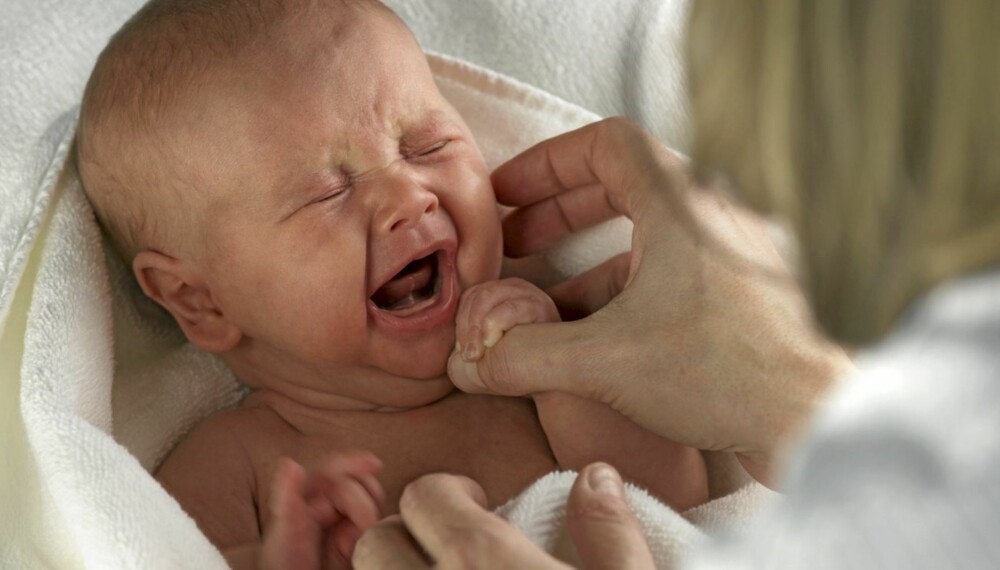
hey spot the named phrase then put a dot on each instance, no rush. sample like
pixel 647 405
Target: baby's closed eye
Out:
pixel 433 148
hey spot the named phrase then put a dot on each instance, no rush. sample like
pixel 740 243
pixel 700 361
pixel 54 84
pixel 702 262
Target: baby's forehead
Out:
pixel 148 89
pixel 311 43
pixel 171 45
pixel 180 68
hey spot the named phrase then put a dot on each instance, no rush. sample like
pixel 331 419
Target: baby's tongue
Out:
pixel 409 286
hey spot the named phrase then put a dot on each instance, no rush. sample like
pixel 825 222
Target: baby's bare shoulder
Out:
pixel 212 474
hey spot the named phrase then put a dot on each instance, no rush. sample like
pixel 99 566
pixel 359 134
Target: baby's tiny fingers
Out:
pixel 352 500
pixel 346 536
pixel 468 334
pixel 374 488
pixel 333 557
pixel 517 311
pixel 343 463
pixel 463 316
pixel 325 487
pixel 291 532
pixel 287 489
pixel 472 344
pixel 473 336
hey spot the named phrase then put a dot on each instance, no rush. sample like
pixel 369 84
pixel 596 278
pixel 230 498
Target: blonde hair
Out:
pixel 872 126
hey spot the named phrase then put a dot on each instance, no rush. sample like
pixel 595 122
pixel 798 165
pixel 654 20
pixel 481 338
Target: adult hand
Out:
pixel 443 523
pixel 699 334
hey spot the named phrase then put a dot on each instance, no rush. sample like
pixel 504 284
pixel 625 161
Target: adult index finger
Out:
pixel 570 357
pixel 447 515
pixel 534 227
pixel 583 177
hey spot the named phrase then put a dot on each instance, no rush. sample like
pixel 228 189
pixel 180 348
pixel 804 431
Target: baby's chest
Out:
pixel 498 442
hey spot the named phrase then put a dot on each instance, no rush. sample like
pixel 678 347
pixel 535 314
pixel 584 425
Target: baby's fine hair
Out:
pixel 153 64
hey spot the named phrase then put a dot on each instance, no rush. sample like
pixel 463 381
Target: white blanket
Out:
pixel 95 387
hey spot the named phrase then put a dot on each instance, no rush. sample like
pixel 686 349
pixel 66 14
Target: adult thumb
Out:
pixel 605 531
pixel 534 358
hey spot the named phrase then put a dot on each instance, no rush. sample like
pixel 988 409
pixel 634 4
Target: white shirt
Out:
pixel 902 467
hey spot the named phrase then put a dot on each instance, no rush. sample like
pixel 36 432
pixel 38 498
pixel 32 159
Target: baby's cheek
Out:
pixel 476 216
pixel 478 266
pixel 490 236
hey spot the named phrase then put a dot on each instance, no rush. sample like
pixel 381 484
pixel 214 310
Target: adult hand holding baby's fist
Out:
pixel 317 516
pixel 488 310
pixel 699 334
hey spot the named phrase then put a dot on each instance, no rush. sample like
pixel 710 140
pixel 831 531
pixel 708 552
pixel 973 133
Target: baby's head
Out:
pixel 287 181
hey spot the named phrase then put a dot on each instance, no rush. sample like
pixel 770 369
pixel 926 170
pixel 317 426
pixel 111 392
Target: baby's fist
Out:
pixel 317 516
pixel 488 310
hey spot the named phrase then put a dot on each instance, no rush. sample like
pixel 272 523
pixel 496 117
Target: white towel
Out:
pixel 97 385
pixel 612 57
pixel 540 512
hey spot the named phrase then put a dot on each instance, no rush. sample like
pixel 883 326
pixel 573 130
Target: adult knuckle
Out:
pixel 497 369
pixel 423 490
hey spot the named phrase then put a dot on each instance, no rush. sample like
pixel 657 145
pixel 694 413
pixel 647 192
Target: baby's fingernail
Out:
pixel 605 480
pixel 492 338
pixel 471 352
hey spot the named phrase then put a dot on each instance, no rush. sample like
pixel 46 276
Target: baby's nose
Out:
pixel 405 203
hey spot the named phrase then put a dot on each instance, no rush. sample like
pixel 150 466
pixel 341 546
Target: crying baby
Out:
pixel 287 182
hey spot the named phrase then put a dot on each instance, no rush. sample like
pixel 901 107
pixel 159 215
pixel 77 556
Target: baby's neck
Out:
pixel 308 406
pixel 342 390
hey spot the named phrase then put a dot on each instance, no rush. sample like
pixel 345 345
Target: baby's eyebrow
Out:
pixel 427 126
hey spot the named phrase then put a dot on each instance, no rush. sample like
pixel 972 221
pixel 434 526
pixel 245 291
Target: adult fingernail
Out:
pixel 605 480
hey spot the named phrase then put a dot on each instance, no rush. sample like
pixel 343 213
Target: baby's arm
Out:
pixel 580 431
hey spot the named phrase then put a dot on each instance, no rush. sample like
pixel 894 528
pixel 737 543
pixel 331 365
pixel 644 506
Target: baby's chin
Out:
pixel 426 364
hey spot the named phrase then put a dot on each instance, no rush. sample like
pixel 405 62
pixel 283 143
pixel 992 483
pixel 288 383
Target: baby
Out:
pixel 288 183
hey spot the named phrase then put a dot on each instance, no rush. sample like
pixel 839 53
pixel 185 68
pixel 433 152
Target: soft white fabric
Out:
pixel 86 357
pixel 902 468
pixel 540 512
pixel 612 57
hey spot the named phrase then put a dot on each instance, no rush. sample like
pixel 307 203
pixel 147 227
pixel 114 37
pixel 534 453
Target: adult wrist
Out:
pixel 786 423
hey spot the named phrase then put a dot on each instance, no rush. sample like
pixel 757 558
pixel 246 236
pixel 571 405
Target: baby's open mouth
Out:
pixel 409 290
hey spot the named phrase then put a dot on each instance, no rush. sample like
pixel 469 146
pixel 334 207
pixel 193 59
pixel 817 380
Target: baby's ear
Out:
pixel 180 290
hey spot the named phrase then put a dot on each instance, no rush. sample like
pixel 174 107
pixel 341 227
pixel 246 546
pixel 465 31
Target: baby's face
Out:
pixel 352 209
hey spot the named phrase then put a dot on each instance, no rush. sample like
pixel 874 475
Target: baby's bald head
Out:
pixel 269 169
pixel 150 89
